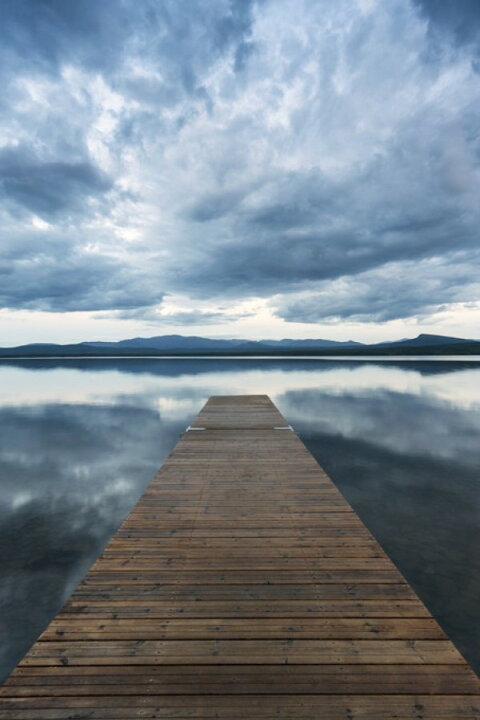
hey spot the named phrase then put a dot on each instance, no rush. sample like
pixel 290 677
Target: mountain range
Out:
pixel 423 344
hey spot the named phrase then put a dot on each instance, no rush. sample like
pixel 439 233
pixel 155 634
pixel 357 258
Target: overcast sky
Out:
pixel 239 168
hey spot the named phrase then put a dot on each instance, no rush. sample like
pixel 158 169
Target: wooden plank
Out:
pixel 284 706
pixel 242 577
pixel 203 564
pixel 90 592
pixel 219 553
pixel 241 652
pixel 331 531
pixel 242 584
pixel 253 679
pixel 178 544
pixel 259 628
pixel 117 609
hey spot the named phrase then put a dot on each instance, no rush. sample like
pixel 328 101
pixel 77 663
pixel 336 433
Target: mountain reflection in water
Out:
pixel 82 438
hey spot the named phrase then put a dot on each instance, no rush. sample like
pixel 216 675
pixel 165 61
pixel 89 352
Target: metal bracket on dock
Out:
pixel 278 427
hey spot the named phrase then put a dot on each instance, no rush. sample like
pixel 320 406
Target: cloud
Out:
pixel 158 317
pixel 58 274
pixel 390 293
pixel 56 32
pixel 458 20
pixel 351 177
pixel 46 188
pixel 100 37
pixel 232 150
pixel 375 416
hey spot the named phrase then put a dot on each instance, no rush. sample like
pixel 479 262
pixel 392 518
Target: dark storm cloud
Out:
pixel 100 36
pixel 458 19
pixel 388 293
pixel 318 229
pixel 51 32
pixel 57 275
pixel 213 206
pixel 47 188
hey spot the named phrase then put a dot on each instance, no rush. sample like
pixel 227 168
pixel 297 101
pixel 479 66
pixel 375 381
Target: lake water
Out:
pixel 80 440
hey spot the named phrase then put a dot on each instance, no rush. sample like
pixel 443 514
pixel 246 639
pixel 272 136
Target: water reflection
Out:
pixel 409 465
pixel 69 474
pixel 81 439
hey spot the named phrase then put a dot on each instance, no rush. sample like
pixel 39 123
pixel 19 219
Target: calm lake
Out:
pixel 80 440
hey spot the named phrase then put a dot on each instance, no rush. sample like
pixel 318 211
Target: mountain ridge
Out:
pixel 193 345
pixel 193 342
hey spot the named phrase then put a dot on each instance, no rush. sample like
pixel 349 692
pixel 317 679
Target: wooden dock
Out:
pixel 242 586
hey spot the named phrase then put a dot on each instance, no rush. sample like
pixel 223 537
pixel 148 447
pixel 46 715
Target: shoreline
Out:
pixel 353 358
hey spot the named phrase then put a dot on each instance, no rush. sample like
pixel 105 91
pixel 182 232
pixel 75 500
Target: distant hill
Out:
pixel 193 343
pixel 171 342
pixel 182 345
pixel 425 340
